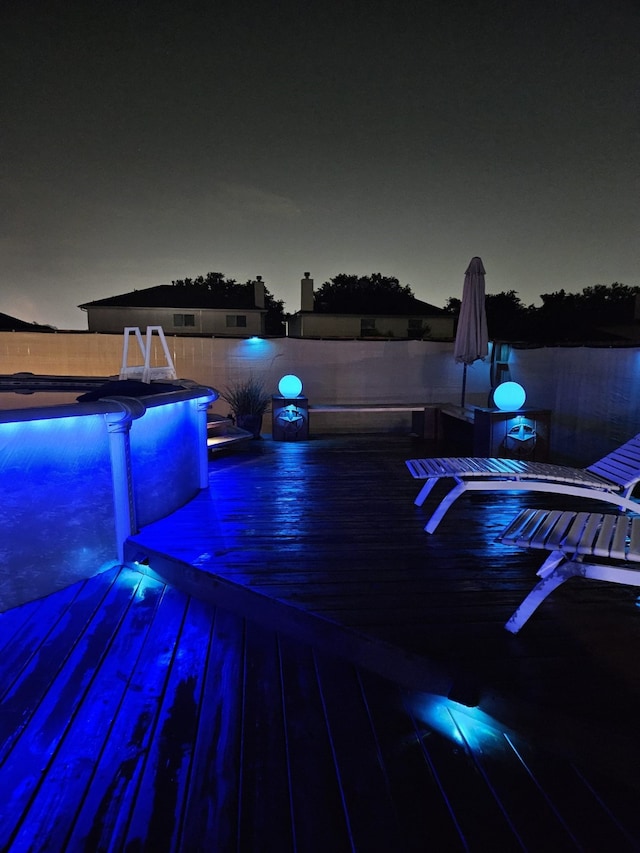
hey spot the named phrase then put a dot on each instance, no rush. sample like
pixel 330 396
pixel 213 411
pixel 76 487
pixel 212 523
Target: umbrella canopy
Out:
pixel 472 339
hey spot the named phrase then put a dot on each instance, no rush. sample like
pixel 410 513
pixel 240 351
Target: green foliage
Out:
pixel 375 294
pixel 247 396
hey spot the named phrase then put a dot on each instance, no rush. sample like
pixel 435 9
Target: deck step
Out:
pixel 223 434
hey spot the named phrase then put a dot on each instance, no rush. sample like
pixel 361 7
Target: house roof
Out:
pixel 179 296
pixel 13 324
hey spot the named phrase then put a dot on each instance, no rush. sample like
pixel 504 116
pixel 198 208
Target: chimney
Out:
pixel 306 293
pixel 258 292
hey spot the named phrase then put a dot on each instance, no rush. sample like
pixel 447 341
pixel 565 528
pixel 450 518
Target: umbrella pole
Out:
pixel 464 383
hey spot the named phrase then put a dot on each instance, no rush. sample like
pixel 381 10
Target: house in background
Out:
pixel 416 320
pixel 183 310
pixel 13 324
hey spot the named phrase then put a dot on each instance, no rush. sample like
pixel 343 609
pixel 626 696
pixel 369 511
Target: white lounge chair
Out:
pixel 581 544
pixel 611 479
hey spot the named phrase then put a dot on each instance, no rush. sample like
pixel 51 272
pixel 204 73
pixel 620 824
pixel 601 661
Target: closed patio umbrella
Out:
pixel 472 339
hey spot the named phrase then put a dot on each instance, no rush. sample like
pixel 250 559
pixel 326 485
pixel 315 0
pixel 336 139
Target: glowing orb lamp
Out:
pixel 290 386
pixel 509 397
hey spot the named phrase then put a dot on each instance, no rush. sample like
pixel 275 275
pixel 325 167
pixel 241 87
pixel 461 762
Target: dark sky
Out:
pixel 148 141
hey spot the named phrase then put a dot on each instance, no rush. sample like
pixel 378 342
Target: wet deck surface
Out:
pixel 284 690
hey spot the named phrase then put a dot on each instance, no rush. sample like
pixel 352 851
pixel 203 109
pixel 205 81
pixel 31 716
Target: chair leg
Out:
pixel 424 491
pixel 541 590
pixel 555 559
pixel 444 505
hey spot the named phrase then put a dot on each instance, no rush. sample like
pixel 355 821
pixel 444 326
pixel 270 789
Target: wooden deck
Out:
pixel 269 675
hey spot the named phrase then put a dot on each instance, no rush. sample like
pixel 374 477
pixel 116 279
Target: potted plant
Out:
pixel 248 400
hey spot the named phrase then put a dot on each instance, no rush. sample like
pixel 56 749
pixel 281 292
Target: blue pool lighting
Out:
pixel 79 478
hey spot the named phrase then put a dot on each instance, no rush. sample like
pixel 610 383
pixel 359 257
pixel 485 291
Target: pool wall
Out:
pixel 77 479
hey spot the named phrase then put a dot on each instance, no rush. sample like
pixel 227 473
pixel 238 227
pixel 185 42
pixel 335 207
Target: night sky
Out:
pixel 148 141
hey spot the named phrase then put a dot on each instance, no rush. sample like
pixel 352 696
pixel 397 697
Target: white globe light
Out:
pixel 509 397
pixel 290 386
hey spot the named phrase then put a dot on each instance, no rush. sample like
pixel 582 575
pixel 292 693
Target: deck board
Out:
pixel 212 806
pixel 416 790
pixel 265 808
pixel 329 527
pixel 367 799
pixel 85 730
pixel 156 818
pixel 136 713
pixel 103 813
pixel 317 800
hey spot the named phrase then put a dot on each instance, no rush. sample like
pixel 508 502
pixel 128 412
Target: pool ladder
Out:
pixel 145 372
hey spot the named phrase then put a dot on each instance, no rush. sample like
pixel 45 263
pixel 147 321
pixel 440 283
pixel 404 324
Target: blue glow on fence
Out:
pixel 509 397
pixel 290 386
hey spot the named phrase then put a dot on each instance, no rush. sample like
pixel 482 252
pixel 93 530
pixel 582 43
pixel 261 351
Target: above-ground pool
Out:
pixel 78 478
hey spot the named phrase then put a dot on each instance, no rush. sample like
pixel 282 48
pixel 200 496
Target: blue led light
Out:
pixel 509 397
pixel 474 728
pixel 290 386
pixel 66 486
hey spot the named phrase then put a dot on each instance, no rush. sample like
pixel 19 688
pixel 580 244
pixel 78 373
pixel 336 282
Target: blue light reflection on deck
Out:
pixel 466 726
pixel 289 514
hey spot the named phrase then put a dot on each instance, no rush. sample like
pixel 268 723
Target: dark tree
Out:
pixel 507 318
pixel 585 316
pixel 218 291
pixel 375 294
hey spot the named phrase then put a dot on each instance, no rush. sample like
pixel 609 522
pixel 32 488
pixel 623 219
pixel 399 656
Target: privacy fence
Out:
pixel 591 391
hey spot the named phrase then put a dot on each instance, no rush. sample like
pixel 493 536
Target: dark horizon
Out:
pixel 149 142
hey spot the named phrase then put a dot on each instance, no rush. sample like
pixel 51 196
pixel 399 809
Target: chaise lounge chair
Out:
pixel 611 479
pixel 581 544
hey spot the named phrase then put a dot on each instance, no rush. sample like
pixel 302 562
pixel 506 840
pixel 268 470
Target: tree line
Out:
pixel 595 314
pixel 590 315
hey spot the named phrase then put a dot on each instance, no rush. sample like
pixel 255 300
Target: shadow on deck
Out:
pixel 268 675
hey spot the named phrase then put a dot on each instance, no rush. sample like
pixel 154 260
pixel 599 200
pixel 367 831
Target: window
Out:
pixel 416 330
pixel 184 320
pixel 368 327
pixel 236 321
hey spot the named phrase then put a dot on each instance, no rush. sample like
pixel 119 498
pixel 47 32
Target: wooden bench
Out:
pixel 368 407
pixel 592 545
pixel 403 415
